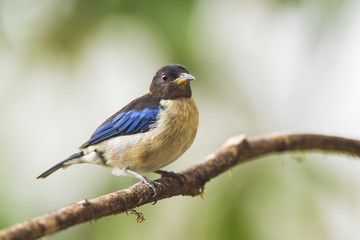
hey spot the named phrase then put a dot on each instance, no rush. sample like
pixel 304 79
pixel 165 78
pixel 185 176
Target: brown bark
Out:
pixel 236 150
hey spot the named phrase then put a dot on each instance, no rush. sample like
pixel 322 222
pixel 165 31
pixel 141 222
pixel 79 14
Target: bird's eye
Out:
pixel 164 77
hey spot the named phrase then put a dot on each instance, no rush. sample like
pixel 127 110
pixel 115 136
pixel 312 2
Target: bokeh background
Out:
pixel 262 66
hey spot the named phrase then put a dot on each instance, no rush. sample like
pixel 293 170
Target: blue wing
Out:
pixel 125 123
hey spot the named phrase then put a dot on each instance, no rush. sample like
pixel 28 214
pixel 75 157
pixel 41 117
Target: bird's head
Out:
pixel 171 82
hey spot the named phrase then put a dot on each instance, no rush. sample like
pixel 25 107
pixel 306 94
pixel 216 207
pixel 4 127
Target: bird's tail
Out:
pixel 61 164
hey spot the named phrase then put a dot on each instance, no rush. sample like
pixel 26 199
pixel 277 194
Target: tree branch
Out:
pixel 236 150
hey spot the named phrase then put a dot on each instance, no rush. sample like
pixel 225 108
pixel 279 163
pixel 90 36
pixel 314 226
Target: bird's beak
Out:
pixel 184 77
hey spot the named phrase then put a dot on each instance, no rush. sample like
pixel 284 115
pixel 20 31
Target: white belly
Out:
pixel 165 142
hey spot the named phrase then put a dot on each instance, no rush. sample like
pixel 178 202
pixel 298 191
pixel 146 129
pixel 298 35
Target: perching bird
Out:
pixel 149 133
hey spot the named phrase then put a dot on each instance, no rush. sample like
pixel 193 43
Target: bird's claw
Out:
pixel 152 184
pixel 143 179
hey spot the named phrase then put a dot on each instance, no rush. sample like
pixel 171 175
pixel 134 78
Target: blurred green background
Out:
pixel 262 66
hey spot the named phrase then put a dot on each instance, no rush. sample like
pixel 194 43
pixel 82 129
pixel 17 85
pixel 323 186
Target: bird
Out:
pixel 147 134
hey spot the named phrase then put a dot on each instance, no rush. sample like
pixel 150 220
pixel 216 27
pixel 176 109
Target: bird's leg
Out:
pixel 144 180
pixel 171 174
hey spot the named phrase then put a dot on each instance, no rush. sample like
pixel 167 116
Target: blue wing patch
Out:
pixel 124 123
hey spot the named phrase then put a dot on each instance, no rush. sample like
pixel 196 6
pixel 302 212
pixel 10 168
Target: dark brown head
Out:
pixel 171 82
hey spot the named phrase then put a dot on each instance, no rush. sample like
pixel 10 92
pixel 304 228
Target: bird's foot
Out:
pixel 148 182
pixel 151 184
pixel 180 177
